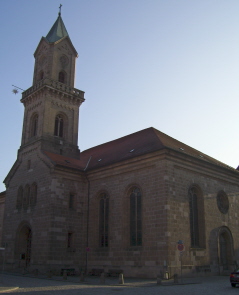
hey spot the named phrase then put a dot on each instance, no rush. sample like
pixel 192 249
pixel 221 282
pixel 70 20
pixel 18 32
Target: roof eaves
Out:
pixel 203 158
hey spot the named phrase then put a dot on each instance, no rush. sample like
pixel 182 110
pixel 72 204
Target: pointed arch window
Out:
pixel 71 201
pixel 26 196
pixel 104 220
pixel 70 240
pixel 19 198
pixel 59 124
pixel 33 195
pixel 197 223
pixel 62 77
pixel 135 217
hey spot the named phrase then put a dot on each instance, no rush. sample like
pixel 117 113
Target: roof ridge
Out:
pixel 119 138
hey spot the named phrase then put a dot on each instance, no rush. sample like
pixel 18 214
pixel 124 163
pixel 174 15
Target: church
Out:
pixel 143 205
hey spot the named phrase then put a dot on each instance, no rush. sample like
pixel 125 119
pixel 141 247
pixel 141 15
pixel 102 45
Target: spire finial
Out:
pixel 60 10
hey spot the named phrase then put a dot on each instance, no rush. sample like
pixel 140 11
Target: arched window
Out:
pixel 104 220
pixel 34 125
pixel 70 240
pixel 59 126
pixel 26 196
pixel 135 217
pixel 41 75
pixel 62 77
pixel 71 201
pixel 19 198
pixel 197 223
pixel 33 195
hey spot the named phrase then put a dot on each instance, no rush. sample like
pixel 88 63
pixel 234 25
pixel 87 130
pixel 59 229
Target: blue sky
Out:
pixel 168 64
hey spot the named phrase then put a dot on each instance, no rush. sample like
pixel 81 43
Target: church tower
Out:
pixel 44 199
pixel 52 103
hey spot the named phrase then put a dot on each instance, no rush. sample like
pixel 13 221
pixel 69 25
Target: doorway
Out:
pixel 23 246
pixel 225 248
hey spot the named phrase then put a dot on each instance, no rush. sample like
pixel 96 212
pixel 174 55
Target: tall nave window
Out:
pixel 197 221
pixel 135 217
pixel 104 220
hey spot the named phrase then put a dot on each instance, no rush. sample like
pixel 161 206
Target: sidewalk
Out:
pixel 7 289
pixel 97 281
pixel 29 284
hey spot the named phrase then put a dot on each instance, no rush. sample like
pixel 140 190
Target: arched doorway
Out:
pixel 225 243
pixel 23 246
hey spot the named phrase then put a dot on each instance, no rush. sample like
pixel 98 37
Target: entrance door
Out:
pixel 225 244
pixel 24 245
pixel 223 251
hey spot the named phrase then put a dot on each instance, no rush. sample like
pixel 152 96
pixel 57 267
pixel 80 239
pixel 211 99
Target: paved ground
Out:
pixel 16 284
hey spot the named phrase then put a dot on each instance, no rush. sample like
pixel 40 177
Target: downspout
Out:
pixel 87 217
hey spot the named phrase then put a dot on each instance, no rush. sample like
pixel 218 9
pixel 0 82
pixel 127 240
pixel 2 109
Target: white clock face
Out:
pixel 64 60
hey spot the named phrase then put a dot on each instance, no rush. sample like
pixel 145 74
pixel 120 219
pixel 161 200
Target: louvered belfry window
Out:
pixel 59 126
pixel 61 77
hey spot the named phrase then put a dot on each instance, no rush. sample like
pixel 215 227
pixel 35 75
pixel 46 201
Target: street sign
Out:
pixel 181 247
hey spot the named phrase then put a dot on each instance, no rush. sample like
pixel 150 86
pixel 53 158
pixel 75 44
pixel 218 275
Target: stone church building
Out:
pixel 141 204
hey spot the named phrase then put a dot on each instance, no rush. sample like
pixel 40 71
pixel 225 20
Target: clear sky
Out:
pixel 168 64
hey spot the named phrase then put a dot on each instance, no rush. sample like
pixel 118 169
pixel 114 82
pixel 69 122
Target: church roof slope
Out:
pixel 136 144
pixel 58 31
pixel 139 143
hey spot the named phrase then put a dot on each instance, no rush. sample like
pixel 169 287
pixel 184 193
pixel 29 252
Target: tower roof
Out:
pixel 58 31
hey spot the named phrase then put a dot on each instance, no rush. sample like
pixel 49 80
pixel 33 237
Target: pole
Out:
pixel 181 254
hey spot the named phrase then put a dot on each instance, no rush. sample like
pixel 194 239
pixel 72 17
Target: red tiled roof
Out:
pixel 65 161
pixel 139 143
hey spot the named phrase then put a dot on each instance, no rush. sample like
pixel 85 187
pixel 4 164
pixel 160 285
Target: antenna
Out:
pixel 15 91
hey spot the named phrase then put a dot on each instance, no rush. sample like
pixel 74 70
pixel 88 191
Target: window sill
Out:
pixel 135 248
pixel 197 249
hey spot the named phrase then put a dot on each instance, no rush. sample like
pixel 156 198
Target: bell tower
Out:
pixel 52 103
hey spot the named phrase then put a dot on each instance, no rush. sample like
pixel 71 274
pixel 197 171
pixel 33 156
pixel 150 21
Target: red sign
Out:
pixel 181 247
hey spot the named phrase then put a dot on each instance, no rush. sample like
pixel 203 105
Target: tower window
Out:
pixel 33 196
pixel 135 217
pixel 70 240
pixel 41 75
pixel 62 77
pixel 28 164
pixel 34 125
pixel 58 126
pixel 19 198
pixel 26 196
pixel 71 201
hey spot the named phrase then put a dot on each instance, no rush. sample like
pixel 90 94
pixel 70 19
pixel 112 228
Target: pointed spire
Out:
pixel 58 30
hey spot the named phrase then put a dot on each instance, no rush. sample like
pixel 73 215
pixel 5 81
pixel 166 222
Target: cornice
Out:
pixel 61 91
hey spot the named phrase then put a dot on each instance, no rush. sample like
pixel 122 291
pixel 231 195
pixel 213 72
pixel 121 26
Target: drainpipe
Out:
pixel 87 217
